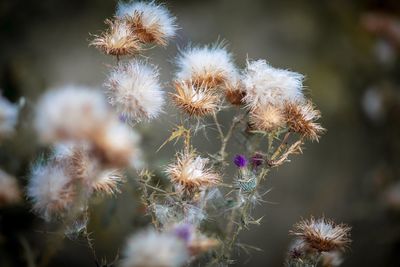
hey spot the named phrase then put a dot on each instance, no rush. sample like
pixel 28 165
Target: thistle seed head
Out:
pixel 191 174
pixel 268 119
pixel 119 40
pixel 266 85
pixel 150 22
pixel 208 66
pixel 135 91
pixel 301 118
pixel 323 234
pixel 153 249
pixel 194 101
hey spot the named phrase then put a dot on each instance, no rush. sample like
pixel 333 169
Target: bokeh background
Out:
pixel 349 52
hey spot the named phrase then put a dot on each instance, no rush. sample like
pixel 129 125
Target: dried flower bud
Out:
pixel 134 90
pixel 8 117
pixel 151 23
pixel 208 66
pixel 9 189
pixel 195 102
pixel 301 118
pixel 152 249
pixel 190 173
pixel 118 40
pixel 257 160
pixel 266 85
pixel 322 234
pixel 268 119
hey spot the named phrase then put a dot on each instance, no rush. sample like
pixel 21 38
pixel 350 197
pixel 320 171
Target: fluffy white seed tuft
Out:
pixel 152 22
pixel 134 90
pixel 70 112
pixel 152 249
pixel 210 66
pixel 266 85
pixel 51 189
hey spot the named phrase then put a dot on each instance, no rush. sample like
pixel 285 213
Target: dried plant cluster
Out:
pixel 197 212
pixel 318 240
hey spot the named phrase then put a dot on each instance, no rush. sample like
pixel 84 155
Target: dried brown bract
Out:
pixel 301 118
pixel 194 101
pixel 189 172
pixel 235 94
pixel 118 40
pixel 107 182
pixel 150 34
pixel 323 234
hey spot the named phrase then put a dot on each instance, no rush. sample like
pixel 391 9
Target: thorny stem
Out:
pixel 281 146
pixel 54 244
pixel 221 133
pixel 239 215
pixel 225 138
pixel 90 244
pixel 145 178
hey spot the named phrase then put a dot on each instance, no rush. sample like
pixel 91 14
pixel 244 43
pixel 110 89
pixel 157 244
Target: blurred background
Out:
pixel 349 52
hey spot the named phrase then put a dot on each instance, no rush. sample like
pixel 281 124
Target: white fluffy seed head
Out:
pixel 8 117
pixel 70 112
pixel 210 66
pixel 266 85
pixel 154 20
pixel 152 249
pixel 51 189
pixel 118 146
pixel 134 90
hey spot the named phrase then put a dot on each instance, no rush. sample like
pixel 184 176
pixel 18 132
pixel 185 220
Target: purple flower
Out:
pixel 123 118
pixel 257 160
pixel 240 161
pixel 184 231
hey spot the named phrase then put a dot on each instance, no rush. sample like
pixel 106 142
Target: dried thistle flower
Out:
pixel 322 234
pixel 152 249
pixel 269 118
pixel 107 182
pixel 8 117
pixel 301 118
pixel 85 167
pixel 207 66
pixel 118 40
pixel 190 173
pixel 266 85
pixel 117 146
pixel 150 22
pixel 52 189
pixel 235 93
pixel 196 102
pixel 9 189
pixel 70 112
pixel 134 90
